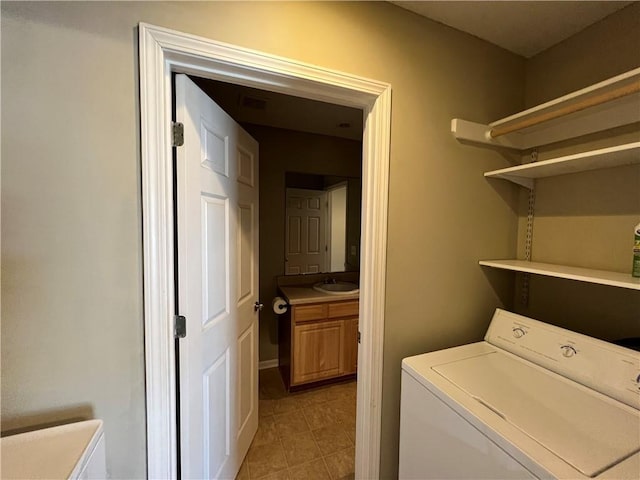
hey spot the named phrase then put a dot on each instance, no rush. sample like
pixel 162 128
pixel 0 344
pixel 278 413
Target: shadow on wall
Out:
pixel 47 419
pixel 502 285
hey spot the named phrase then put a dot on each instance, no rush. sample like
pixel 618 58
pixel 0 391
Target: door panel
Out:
pixel 313 235
pixel 215 150
pixel 217 228
pixel 245 248
pixel 215 220
pixel 295 235
pixel 217 436
pixel 246 166
pixel 246 361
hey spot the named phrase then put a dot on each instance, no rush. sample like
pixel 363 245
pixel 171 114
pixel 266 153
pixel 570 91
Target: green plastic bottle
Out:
pixel 635 271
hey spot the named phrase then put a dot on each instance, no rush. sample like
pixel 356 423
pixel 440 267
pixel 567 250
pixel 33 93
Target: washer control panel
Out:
pixel 607 368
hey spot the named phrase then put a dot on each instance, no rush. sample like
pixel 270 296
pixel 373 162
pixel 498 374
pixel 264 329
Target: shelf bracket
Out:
pixel 478 133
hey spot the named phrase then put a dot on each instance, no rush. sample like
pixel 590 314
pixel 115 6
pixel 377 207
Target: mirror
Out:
pixel 322 223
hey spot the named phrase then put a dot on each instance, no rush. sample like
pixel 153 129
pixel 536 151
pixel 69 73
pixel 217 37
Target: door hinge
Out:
pixel 358 336
pixel 177 134
pixel 179 326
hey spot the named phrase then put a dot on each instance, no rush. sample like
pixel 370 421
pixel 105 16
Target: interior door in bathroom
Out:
pixel 306 242
pixel 217 238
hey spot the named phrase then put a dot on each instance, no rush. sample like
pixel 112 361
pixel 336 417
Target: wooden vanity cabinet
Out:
pixel 318 351
pixel 351 346
pixel 320 341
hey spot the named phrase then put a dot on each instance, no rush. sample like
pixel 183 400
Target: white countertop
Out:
pixel 300 295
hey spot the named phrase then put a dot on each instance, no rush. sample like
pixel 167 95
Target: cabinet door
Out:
pixel 350 345
pixel 318 351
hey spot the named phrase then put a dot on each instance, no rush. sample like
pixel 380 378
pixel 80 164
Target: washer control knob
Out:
pixel 568 351
pixel 518 332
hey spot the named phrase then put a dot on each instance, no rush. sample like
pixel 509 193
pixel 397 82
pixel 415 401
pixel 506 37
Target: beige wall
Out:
pixel 72 333
pixel 284 151
pixel 586 219
pixel 601 51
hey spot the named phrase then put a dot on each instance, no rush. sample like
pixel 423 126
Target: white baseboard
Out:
pixel 268 364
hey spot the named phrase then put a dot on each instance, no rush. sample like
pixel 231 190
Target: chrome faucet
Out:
pixel 328 280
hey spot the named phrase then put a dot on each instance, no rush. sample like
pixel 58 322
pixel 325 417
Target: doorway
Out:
pixel 310 165
pixel 163 52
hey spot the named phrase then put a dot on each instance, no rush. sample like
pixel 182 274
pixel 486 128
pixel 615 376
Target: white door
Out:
pixel 217 229
pixel 306 240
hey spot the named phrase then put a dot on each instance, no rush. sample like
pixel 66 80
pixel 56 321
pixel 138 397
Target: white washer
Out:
pixel 74 451
pixel 531 401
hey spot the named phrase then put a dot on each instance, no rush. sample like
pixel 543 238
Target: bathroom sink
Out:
pixel 338 288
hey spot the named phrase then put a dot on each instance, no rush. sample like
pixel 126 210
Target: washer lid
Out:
pixel 54 452
pixel 585 429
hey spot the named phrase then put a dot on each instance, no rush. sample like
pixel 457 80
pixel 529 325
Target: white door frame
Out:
pixel 163 52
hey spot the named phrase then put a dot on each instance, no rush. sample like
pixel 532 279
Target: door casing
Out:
pixel 163 52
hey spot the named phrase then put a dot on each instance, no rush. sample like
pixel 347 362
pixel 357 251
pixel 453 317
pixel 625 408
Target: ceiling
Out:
pixel 260 107
pixel 522 27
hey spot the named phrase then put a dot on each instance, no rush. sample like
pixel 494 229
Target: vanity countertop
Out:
pixel 302 294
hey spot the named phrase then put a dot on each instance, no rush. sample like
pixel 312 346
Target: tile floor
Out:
pixel 304 435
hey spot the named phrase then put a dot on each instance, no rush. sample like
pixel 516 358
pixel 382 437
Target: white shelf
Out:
pixel 617 112
pixel 627 154
pixel 609 104
pixel 602 277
